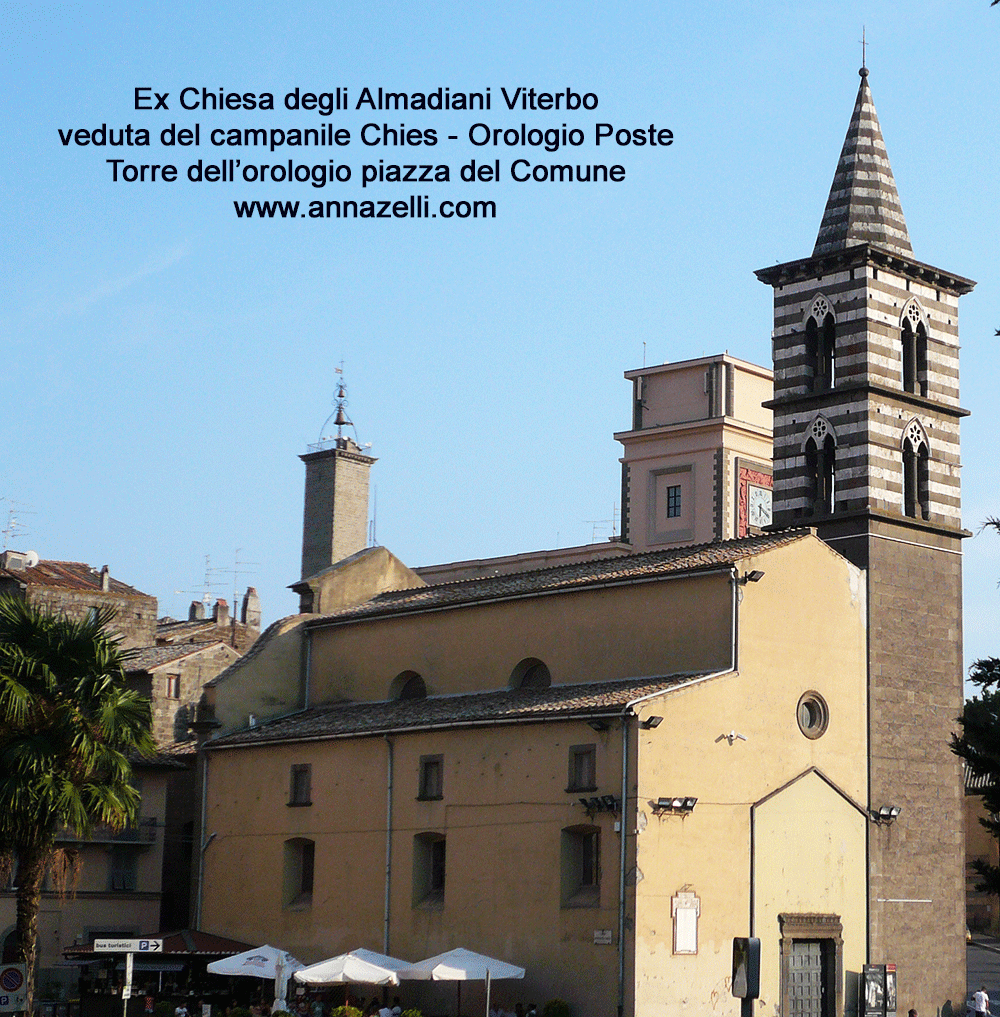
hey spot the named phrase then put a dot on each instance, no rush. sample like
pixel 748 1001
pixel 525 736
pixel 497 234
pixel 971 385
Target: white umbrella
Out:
pixel 261 962
pixel 462 965
pixel 356 966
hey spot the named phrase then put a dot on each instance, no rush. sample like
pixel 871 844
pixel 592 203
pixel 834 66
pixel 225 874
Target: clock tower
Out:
pixel 866 450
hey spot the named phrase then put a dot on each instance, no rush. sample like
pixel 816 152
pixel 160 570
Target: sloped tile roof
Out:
pixel 147 658
pixel 70 575
pixel 558 702
pixel 648 565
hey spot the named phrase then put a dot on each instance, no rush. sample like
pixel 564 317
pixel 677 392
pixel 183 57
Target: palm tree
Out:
pixel 69 729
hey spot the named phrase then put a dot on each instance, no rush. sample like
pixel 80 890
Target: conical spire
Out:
pixel 863 207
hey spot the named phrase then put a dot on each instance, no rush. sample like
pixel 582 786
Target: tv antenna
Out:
pixel 15 529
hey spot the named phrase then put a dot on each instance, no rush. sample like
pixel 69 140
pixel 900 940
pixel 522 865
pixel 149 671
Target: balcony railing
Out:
pixel 144 832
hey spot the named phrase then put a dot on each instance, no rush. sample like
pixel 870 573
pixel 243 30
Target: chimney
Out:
pixel 250 612
pixel 14 561
pixel 196 612
pixel 105 579
pixel 220 612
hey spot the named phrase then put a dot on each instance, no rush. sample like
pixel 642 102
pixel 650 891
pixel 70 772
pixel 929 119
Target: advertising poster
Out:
pixel 481 216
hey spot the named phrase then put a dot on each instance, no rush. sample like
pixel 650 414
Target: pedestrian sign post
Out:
pixel 129 947
pixel 13 988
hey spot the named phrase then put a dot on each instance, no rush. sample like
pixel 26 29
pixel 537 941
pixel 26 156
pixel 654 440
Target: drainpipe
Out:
pixel 205 843
pixel 627 711
pixel 388 844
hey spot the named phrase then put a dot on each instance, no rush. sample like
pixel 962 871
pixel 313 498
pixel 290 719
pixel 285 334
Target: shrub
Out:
pixel 555 1008
pixel 412 1013
pixel 345 1011
pixel 165 1009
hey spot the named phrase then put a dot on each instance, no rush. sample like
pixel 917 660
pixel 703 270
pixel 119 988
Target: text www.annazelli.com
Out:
pixel 418 206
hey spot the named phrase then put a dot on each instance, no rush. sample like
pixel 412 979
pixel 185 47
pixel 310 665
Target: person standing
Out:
pixel 981 1002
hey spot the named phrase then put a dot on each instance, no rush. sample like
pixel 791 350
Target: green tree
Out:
pixel 979 745
pixel 69 729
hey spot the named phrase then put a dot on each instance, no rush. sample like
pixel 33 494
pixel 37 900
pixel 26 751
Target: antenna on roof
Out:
pixel 15 528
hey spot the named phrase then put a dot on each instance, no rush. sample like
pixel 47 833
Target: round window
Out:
pixel 812 714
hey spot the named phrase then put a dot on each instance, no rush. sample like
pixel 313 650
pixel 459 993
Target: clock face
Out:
pixel 759 508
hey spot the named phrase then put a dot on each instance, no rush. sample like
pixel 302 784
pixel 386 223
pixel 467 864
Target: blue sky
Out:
pixel 167 362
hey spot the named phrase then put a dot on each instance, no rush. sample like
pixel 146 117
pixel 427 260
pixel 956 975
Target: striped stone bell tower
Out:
pixel 866 449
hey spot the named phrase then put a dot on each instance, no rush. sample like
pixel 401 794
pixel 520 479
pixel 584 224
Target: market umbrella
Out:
pixel 462 965
pixel 357 966
pixel 261 962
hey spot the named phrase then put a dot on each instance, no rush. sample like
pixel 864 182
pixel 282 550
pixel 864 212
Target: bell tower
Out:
pixel 335 515
pixel 866 449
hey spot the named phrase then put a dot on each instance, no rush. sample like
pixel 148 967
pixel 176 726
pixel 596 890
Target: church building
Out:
pixel 604 763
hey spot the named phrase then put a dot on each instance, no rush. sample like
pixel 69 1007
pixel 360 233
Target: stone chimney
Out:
pixel 250 612
pixel 220 612
pixel 105 579
pixel 196 612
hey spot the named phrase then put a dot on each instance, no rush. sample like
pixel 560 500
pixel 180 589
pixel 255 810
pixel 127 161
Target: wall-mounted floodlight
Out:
pixel 679 805
pixel 604 803
pixel 886 813
pixel 650 722
pixel 754 576
pixel 598 725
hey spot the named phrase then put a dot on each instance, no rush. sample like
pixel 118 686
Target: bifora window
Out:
pixel 300 785
pixel 431 786
pixel 582 768
pixel 674 501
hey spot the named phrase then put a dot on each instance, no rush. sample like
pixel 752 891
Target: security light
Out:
pixel 886 813
pixel 598 725
pixel 650 722
pixel 753 576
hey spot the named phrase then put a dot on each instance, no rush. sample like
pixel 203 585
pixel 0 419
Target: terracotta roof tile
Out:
pixel 342 720
pixel 70 575
pixel 648 565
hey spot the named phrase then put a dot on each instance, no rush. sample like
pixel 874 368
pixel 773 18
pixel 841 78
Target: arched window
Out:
pixel 916 460
pixel 821 345
pixel 530 673
pixel 913 333
pixel 821 459
pixel 408 685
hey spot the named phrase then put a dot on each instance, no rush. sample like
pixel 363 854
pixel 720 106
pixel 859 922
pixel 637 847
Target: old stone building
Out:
pixel 76 589
pixel 603 763
pixel 137 880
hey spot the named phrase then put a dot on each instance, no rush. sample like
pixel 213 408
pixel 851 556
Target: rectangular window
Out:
pixel 674 501
pixel 580 866
pixel 123 868
pixel 300 785
pixel 431 778
pixel 300 867
pixel 429 852
pixel 582 768
pixel 173 686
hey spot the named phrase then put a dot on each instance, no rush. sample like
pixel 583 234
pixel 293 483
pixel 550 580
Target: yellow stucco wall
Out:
pixel 505 802
pixel 809 858
pixel 503 809
pixel 802 627
pixel 617 632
